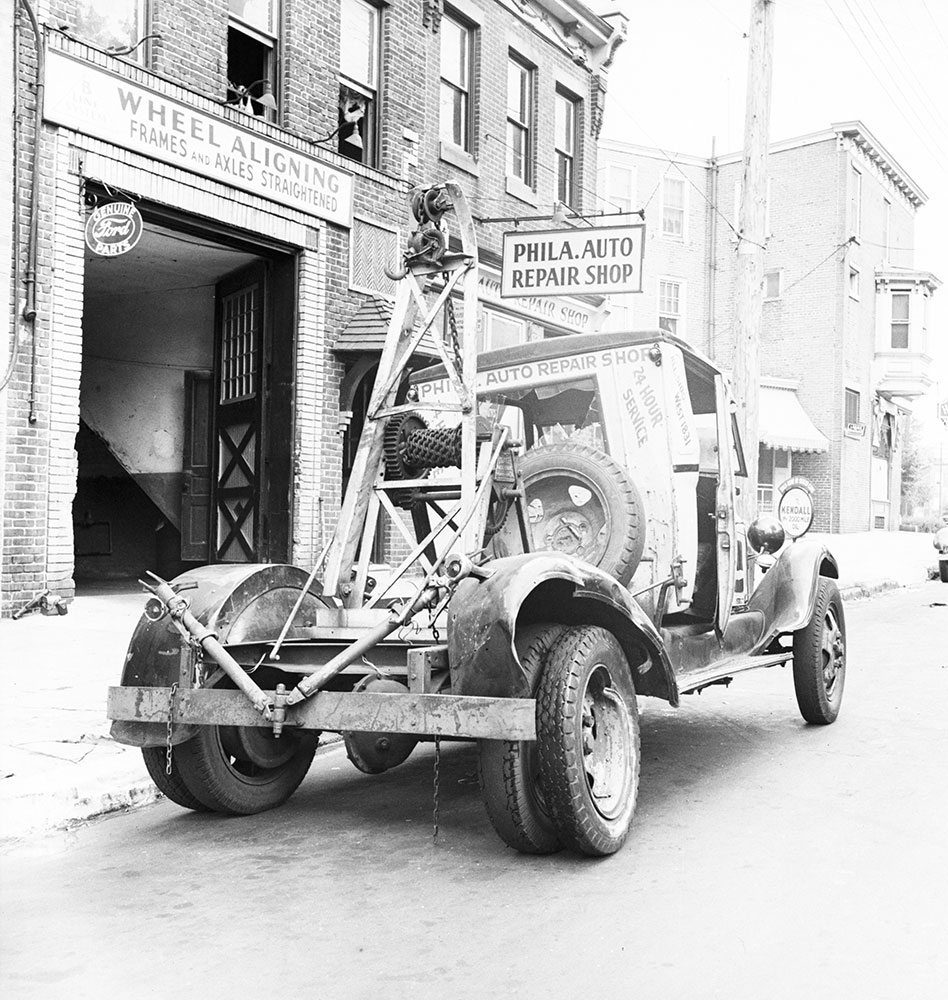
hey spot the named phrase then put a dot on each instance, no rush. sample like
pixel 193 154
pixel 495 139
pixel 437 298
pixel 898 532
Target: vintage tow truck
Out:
pixel 566 518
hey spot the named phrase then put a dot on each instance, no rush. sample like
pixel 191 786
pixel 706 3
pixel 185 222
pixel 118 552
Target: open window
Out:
pixel 252 41
pixel 359 59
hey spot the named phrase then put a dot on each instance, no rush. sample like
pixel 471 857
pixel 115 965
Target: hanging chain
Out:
pixel 437 788
pixel 173 692
pixel 454 341
pixel 435 634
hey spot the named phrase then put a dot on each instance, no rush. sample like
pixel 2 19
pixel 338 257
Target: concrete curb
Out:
pixel 860 591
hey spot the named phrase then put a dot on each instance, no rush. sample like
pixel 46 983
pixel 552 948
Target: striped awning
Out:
pixel 785 424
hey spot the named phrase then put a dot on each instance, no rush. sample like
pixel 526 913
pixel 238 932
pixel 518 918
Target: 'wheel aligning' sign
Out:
pixel 603 261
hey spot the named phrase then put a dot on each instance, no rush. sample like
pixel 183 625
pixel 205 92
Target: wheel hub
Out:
pixel 606 743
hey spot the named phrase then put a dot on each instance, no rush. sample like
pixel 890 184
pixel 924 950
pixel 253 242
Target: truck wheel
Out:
pixel 943 570
pixel 242 769
pixel 509 770
pixel 582 502
pixel 172 785
pixel 819 658
pixel 588 740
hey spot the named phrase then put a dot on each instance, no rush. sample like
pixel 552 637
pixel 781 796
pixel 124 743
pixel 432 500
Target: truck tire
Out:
pixel 582 502
pixel 943 570
pixel 509 770
pixel 819 657
pixel 588 740
pixel 242 770
pixel 172 785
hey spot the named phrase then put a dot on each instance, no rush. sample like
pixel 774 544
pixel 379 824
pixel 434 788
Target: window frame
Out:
pixel 270 41
pixel 855 282
pixel 352 90
pixel 906 323
pixel 677 317
pixel 466 88
pixel 770 272
pixel 886 228
pixel 683 208
pixel 143 18
pixel 855 202
pixel 563 97
pixel 526 125
pixel 852 403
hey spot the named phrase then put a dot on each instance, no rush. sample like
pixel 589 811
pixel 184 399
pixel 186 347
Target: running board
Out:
pixel 727 668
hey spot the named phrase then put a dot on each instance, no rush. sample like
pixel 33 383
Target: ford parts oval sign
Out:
pixel 113 229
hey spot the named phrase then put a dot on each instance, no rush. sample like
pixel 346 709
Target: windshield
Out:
pixel 548 414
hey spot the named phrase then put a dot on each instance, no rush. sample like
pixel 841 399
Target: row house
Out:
pixel 844 335
pixel 198 396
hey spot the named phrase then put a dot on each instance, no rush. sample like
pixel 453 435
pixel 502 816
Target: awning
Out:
pixel 785 424
pixel 366 330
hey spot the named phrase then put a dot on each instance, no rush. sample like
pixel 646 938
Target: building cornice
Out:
pixel 867 143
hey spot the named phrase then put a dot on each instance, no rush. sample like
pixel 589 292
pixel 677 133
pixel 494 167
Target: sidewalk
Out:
pixel 58 764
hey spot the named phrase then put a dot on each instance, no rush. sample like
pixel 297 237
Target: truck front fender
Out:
pixel 484 616
pixel 240 603
pixel 786 594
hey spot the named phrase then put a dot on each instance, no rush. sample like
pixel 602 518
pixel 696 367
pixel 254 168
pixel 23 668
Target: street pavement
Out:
pixel 58 763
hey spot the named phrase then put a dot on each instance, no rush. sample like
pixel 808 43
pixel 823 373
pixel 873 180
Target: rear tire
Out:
pixel 172 785
pixel 588 738
pixel 509 770
pixel 819 658
pixel 943 570
pixel 242 770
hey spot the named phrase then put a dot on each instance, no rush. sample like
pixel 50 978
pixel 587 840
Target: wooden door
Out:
pixel 238 489
pixel 196 481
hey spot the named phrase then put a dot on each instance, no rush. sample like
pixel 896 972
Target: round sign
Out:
pixel 795 511
pixel 113 229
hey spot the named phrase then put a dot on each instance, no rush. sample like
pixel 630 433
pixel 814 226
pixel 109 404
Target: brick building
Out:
pixel 844 338
pixel 197 398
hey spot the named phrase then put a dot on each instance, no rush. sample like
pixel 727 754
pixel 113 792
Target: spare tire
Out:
pixel 581 502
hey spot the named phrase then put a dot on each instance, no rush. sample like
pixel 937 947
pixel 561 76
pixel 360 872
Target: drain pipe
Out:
pixel 29 309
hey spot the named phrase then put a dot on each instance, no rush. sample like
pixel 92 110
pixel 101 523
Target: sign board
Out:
pixel 570 314
pixel 856 429
pixel 599 261
pixel 113 229
pixel 103 105
pixel 795 511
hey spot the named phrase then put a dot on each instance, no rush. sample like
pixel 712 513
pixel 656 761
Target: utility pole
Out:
pixel 750 247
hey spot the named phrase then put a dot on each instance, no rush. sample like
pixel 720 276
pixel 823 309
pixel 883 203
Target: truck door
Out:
pixel 724 510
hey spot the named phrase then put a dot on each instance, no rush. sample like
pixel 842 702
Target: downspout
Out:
pixel 29 309
pixel 713 248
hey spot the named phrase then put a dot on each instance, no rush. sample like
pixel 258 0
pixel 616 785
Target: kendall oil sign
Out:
pixel 601 261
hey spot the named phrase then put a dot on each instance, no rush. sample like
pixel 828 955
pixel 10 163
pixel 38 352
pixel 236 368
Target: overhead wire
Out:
pixel 816 267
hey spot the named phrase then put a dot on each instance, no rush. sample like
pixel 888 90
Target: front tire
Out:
pixel 819 658
pixel 943 570
pixel 588 740
pixel 509 770
pixel 242 770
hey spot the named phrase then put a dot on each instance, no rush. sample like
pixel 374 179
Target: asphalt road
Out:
pixel 768 859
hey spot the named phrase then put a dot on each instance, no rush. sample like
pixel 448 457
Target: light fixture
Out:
pixel 558 218
pixel 355 137
pixel 243 95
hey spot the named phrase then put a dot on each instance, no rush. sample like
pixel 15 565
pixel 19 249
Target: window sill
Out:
pixel 521 191
pixel 459 158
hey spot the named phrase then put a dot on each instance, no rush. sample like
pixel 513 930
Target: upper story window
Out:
pixel 457 81
pixel 565 123
pixel 855 204
pixel 900 320
pixel 521 110
pixel 359 58
pixel 669 305
pixel 772 284
pixel 886 225
pixel 252 39
pixel 673 207
pixel 112 24
pixel 853 282
pixel 853 407
pixel 617 188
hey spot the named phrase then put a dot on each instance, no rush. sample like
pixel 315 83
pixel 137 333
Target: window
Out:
pixel 886 225
pixel 855 207
pixel 617 188
pixel 457 49
pixel 252 52
pixel 111 24
pixel 853 407
pixel 673 207
pixel 774 467
pixel 520 116
pixel 359 46
pixel 500 330
pixel 669 305
pixel 772 284
pixel 853 282
pixel 564 144
pixel 900 320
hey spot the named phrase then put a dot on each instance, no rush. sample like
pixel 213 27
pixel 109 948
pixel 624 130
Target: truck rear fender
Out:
pixel 241 603
pixel 786 594
pixel 484 617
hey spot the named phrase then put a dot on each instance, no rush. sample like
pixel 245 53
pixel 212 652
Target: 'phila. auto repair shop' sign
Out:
pixel 106 106
pixel 597 261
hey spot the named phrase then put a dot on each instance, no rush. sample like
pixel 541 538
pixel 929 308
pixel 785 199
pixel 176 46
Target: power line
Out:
pixel 816 267
pixel 931 17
